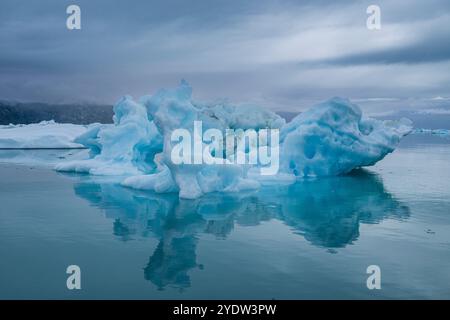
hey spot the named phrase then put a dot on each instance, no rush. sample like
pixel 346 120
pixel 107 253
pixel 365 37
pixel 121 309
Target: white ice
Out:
pixel 43 135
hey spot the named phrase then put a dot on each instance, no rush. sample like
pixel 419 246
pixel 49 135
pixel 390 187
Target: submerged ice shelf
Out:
pixel 331 138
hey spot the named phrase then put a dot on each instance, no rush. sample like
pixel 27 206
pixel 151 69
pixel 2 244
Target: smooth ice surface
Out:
pixel 331 138
pixel 46 134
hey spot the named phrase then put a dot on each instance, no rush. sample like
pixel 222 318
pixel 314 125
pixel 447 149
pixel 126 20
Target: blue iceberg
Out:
pixel 331 138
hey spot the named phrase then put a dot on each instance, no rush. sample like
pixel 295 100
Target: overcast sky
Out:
pixel 284 55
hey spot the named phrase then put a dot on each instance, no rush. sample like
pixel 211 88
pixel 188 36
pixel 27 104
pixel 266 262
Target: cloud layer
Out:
pixel 282 54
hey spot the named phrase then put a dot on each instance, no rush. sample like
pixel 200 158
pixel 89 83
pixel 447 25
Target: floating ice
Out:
pixel 436 132
pixel 43 135
pixel 126 147
pixel 331 138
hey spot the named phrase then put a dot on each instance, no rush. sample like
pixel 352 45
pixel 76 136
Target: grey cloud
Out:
pixel 433 48
pixel 244 50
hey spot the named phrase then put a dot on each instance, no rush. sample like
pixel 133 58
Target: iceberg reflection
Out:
pixel 327 212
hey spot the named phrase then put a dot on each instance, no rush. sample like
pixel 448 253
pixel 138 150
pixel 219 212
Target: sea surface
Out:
pixel 314 239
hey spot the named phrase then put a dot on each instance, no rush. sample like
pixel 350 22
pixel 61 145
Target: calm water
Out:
pixel 311 240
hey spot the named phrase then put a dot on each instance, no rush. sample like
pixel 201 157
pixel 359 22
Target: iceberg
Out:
pixel 436 132
pixel 331 138
pixel 42 135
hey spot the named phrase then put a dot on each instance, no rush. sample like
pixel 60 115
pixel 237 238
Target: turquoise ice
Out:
pixel 331 138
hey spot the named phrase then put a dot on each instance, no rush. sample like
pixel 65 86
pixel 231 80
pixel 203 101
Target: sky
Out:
pixel 284 55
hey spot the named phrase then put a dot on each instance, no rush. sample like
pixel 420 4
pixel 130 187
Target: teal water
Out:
pixel 314 239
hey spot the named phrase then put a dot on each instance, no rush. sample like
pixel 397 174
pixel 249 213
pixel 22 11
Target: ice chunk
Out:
pixel 160 182
pixel 89 139
pixel 126 147
pixel 333 138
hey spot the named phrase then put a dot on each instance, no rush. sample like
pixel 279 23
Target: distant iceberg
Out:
pixel 43 135
pixel 436 132
pixel 331 138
